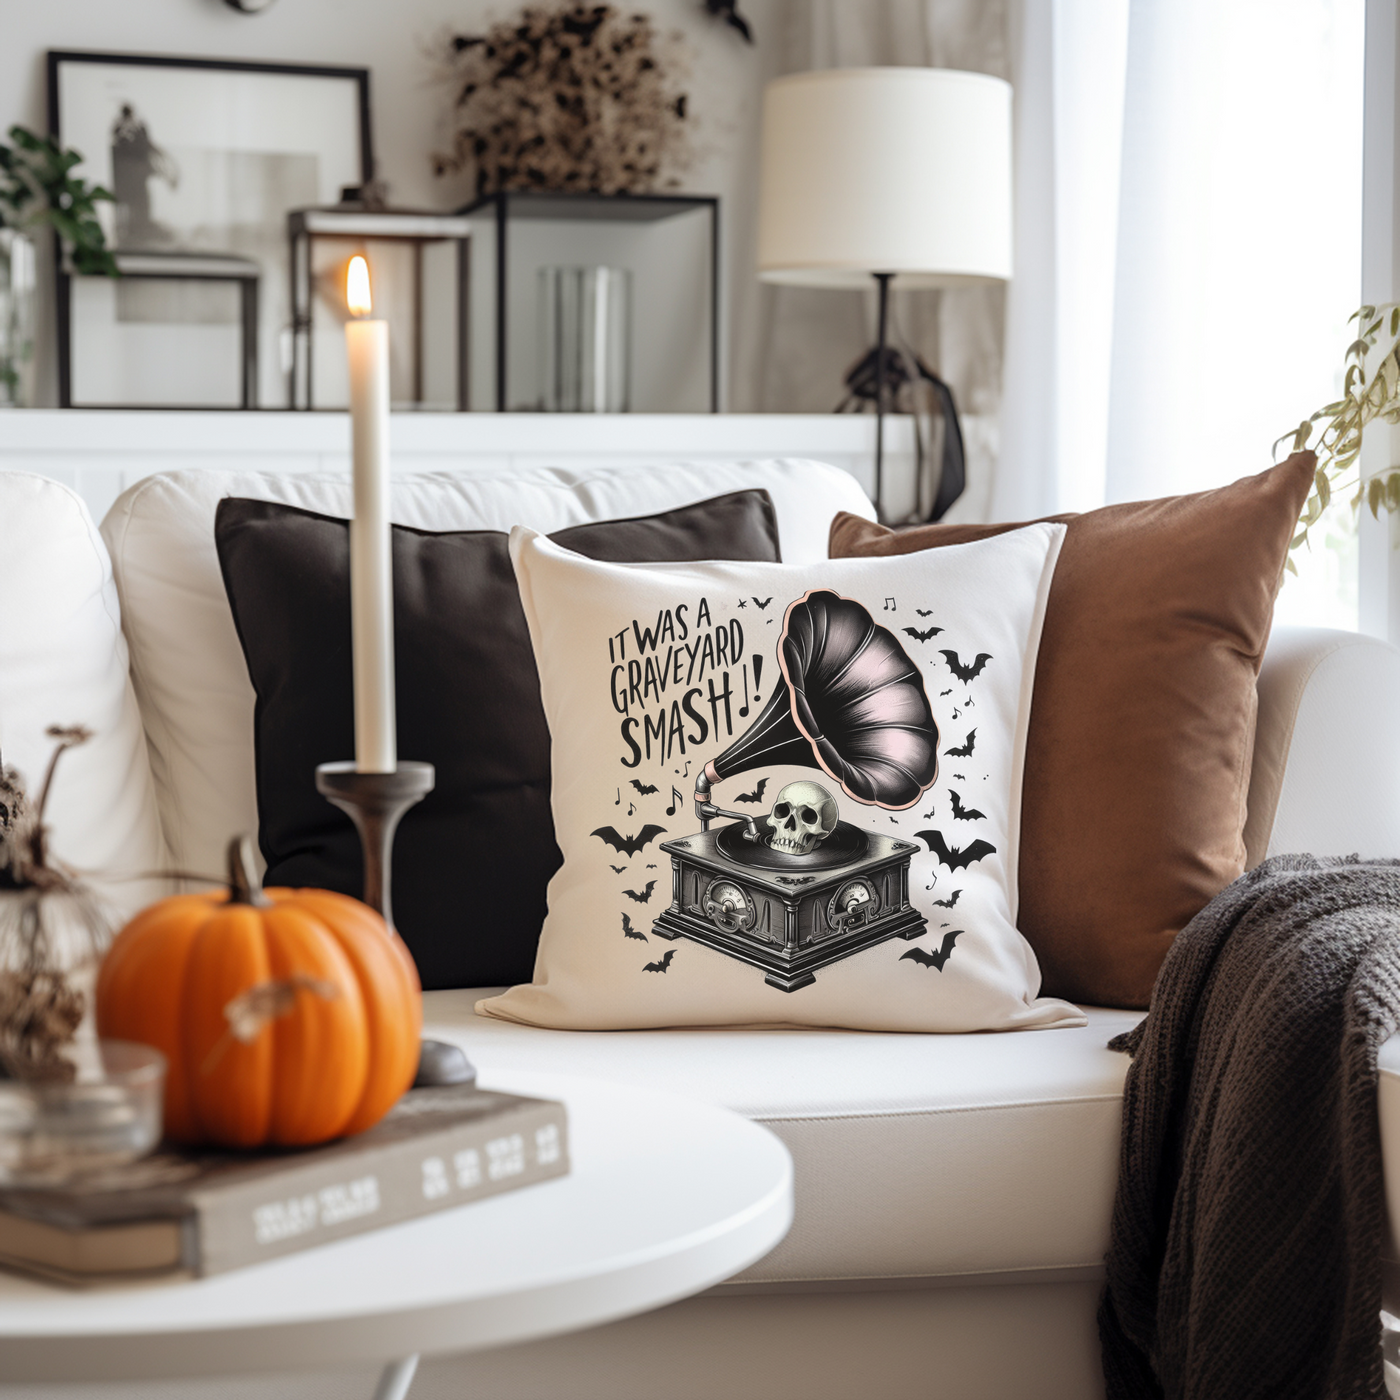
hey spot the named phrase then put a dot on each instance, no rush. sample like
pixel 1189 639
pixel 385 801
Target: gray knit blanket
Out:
pixel 1244 1259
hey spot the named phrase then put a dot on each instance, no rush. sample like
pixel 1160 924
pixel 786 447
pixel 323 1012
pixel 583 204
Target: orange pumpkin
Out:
pixel 287 1017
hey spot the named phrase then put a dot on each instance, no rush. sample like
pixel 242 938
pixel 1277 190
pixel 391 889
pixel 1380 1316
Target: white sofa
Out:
pixel 953 1192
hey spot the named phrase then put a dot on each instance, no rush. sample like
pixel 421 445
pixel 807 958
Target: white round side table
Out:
pixel 666 1197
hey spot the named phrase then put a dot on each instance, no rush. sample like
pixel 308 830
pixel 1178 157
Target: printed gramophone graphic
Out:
pixel 799 889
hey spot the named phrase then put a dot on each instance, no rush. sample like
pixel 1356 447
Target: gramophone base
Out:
pixel 789 926
pixel 789 974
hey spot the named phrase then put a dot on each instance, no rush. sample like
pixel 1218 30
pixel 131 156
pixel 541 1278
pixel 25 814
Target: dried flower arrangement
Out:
pixel 581 98
pixel 52 927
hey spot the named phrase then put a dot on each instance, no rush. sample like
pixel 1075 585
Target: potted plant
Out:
pixel 1370 391
pixel 38 187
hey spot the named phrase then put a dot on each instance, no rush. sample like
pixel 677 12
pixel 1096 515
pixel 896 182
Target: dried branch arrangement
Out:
pixel 582 98
pixel 51 927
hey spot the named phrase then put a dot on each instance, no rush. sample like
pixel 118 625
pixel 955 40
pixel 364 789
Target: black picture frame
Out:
pixel 57 60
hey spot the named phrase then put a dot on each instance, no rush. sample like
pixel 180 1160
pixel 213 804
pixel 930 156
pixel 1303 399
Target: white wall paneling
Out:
pixel 100 454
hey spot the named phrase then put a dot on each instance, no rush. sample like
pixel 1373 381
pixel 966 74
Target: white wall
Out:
pixel 393 39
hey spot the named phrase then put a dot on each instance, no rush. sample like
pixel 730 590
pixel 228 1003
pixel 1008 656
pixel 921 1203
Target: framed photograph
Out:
pixel 205 158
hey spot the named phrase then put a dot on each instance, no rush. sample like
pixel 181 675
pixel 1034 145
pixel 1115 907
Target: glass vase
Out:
pixel 18 293
pixel 585 339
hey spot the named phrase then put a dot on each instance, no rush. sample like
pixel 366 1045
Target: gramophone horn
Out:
pixel 771 739
pixel 851 699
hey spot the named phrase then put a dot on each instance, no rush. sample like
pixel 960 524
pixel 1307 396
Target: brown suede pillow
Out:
pixel 1142 724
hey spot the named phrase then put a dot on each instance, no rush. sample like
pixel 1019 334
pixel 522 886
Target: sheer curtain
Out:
pixel 1188 250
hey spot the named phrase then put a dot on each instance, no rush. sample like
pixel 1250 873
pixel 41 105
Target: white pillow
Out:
pixel 191 679
pixel 63 660
pixel 866 677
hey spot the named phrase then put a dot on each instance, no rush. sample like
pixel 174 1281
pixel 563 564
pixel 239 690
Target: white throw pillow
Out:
pixel 191 679
pixel 864 719
pixel 63 660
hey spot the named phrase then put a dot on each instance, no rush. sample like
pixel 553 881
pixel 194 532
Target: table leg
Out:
pixel 395 1379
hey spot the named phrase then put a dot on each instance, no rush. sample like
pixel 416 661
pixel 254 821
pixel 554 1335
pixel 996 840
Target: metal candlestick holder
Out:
pixel 376 802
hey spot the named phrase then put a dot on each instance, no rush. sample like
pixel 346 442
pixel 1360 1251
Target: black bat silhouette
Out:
pixel 651 867
pixel 796 879
pixel 630 931
pixel 663 964
pixel 961 777
pixel 728 11
pixel 629 845
pixel 963 814
pixel 756 795
pixel 942 903
pixel 643 788
pixel 954 857
pixel 972 670
pixel 942 693
pixel 761 604
pixel 921 636
pixel 644 897
pixel 617 869
pixel 940 957
pixel 924 612
pixel 969 744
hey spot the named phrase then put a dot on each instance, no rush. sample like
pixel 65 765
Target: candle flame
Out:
pixel 357 287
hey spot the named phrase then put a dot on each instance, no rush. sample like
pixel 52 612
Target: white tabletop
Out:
pixel 666 1197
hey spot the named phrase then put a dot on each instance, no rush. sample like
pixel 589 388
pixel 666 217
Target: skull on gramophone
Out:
pixel 804 815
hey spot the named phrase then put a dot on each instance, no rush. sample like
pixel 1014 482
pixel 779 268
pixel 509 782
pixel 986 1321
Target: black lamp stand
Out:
pixel 883 281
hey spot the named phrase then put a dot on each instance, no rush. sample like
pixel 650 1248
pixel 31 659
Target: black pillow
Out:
pixel 472 860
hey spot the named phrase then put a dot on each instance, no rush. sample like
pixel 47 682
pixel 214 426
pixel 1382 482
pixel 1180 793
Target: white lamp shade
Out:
pixel 901 170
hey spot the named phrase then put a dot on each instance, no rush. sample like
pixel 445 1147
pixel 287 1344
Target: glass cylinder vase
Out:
pixel 18 293
pixel 585 339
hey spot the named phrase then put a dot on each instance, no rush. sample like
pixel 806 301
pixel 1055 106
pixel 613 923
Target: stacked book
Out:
pixel 201 1213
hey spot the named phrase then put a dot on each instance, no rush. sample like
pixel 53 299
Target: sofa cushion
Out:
pixel 63 660
pixel 472 860
pixel 188 668
pixel 917 1156
pixel 873 884
pixel 1142 727
pixel 1329 788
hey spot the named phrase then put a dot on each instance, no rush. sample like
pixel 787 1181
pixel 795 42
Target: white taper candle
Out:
pixel 371 560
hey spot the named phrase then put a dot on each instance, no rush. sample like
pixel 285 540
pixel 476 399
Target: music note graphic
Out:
pixel 631 807
pixel 889 605
pixel 744 708
pixel 686 774
pixel 618 803
pixel 676 801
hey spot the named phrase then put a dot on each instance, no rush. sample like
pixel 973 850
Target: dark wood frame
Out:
pixel 646 202
pixel 62 278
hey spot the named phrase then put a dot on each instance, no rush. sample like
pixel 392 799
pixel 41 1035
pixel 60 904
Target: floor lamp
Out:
pixel 900 174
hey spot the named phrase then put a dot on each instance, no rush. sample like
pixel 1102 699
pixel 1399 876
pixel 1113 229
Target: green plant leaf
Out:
pixel 37 186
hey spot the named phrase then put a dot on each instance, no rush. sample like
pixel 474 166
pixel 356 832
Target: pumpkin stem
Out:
pixel 243 885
